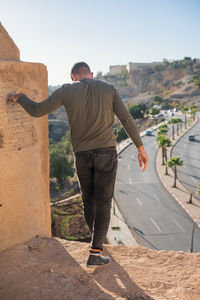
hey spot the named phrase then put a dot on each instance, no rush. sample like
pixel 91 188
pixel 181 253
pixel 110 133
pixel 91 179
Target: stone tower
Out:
pixel 24 161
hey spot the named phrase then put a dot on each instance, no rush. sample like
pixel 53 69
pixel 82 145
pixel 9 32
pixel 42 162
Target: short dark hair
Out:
pixel 79 68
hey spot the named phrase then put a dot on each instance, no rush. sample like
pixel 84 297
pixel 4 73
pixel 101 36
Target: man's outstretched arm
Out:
pixel 130 127
pixel 38 109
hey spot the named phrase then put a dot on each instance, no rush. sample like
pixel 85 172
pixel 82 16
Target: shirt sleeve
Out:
pixel 42 108
pixel 126 119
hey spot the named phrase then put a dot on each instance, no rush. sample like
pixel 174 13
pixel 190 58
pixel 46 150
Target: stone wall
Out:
pixel 24 161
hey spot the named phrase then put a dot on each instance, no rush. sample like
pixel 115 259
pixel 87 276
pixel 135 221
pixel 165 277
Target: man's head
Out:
pixel 80 70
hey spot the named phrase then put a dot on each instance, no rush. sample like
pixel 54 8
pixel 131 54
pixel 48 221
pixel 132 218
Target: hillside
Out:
pixel 54 269
pixel 173 80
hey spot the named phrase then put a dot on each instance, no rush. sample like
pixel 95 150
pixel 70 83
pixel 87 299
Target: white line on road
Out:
pixel 139 201
pixel 156 198
pixel 155 224
pixel 130 182
pixel 194 180
pixel 179 226
pixel 128 167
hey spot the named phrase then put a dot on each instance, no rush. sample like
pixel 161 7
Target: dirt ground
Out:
pixel 51 269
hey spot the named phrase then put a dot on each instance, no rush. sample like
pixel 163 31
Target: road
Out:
pixel 189 151
pixel 156 220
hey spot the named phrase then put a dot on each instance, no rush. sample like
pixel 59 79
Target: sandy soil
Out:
pixel 55 269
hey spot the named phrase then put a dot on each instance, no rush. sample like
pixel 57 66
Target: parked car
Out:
pixel 148 132
pixel 191 137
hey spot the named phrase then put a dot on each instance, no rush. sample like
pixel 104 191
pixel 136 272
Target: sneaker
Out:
pixel 97 260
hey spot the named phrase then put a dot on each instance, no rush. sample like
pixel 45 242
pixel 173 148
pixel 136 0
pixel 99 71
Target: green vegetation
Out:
pixel 68 221
pixel 61 160
pixel 137 110
pixel 196 79
pixel 154 111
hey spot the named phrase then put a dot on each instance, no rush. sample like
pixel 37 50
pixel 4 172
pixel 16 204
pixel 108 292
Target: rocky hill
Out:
pixel 175 80
pixel 54 269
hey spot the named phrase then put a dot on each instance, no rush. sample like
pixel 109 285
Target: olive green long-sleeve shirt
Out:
pixel 90 105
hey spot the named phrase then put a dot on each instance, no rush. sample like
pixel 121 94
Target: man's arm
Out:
pixel 39 109
pixel 130 127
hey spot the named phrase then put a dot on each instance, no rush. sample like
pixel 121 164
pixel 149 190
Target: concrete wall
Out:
pixel 24 161
pixel 117 69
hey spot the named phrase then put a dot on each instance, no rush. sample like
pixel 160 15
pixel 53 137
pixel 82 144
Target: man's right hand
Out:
pixel 13 98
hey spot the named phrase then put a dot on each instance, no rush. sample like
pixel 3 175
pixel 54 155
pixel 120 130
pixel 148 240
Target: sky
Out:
pixel 101 32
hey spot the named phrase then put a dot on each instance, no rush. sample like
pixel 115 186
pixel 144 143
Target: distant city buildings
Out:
pixel 117 69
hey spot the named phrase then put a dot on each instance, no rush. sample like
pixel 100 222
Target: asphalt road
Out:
pixel 156 220
pixel 189 151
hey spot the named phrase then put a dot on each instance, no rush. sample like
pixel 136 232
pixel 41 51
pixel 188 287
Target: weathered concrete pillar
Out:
pixel 24 160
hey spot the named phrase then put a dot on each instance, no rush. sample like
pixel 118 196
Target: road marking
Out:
pixel 130 181
pixel 139 201
pixel 128 167
pixel 194 180
pixel 155 224
pixel 156 198
pixel 179 226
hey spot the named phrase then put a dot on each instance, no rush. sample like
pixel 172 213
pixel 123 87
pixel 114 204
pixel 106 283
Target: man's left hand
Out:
pixel 143 159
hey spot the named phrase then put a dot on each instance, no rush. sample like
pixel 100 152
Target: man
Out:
pixel 90 105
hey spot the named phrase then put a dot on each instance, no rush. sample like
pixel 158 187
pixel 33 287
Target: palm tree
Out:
pixel 193 110
pixel 192 193
pixel 198 189
pixel 162 130
pixel 179 125
pixel 172 121
pixel 173 163
pixel 184 110
pixel 163 142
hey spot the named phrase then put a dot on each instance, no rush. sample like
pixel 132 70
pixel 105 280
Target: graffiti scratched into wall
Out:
pixel 16 127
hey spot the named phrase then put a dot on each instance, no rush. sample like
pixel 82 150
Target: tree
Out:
pixel 173 121
pixel 198 189
pixel 162 130
pixel 192 193
pixel 154 111
pixel 193 110
pixel 121 134
pixel 60 165
pixel 158 99
pixel 61 159
pixel 137 110
pixel 163 142
pixel 196 80
pixel 179 124
pixel 173 163
pixel 184 110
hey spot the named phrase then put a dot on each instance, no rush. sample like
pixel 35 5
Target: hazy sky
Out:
pixel 101 32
